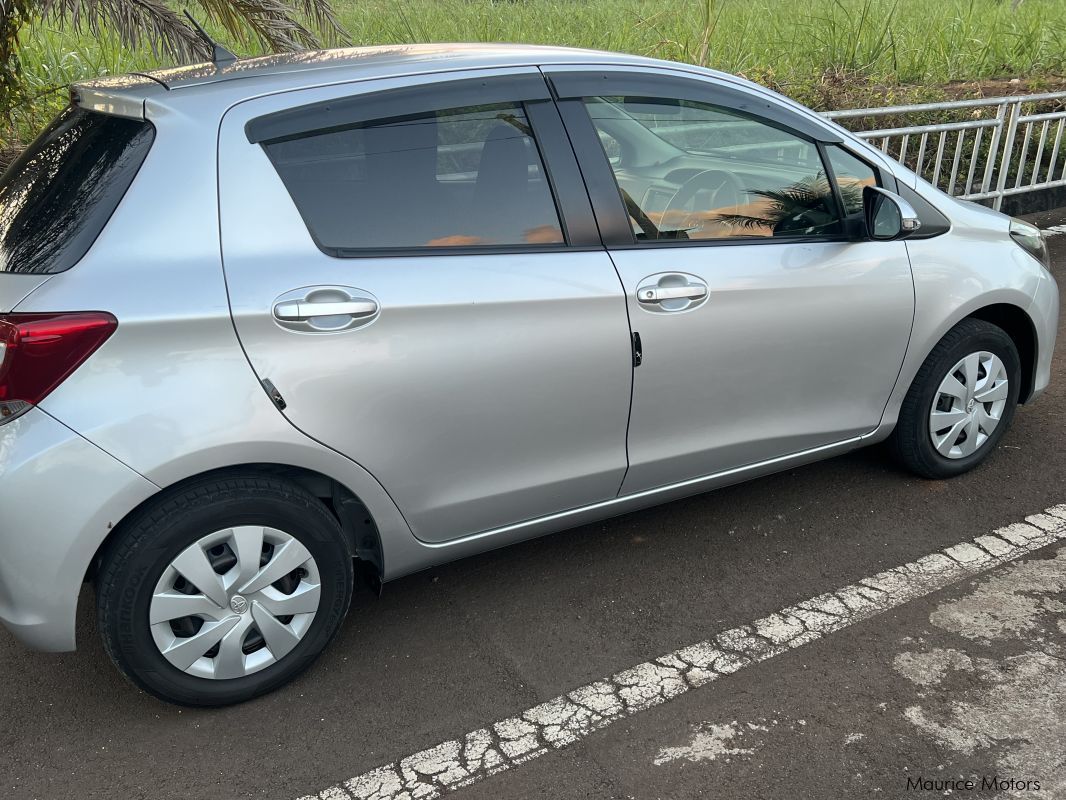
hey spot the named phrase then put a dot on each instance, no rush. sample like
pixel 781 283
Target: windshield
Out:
pixel 58 195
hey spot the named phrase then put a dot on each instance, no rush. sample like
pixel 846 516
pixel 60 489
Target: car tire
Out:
pixel 913 442
pixel 145 567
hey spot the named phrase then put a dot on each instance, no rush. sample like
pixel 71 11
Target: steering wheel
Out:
pixel 724 188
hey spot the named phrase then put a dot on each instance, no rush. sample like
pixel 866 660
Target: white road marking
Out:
pixel 1055 230
pixel 569 718
pixel 709 742
pixel 1005 634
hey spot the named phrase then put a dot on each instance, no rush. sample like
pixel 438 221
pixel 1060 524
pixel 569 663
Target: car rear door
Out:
pixel 414 266
pixel 766 330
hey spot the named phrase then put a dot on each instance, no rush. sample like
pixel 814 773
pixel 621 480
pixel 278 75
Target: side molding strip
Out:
pixel 651 497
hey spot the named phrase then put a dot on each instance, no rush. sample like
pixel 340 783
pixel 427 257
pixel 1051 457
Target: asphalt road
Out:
pixel 964 681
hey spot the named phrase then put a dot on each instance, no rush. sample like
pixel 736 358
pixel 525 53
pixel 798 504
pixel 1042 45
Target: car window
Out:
pixel 690 171
pixel 852 174
pixel 610 147
pixel 57 196
pixel 462 177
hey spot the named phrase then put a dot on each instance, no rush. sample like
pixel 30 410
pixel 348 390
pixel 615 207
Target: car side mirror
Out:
pixel 888 216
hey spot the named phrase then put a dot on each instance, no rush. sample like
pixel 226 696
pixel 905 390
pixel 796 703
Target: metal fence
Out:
pixel 998 147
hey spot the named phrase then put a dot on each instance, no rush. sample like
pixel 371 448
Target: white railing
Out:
pixel 985 154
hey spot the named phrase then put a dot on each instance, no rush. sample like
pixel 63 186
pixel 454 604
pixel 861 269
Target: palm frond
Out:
pixel 276 25
pixel 320 14
pixel 136 22
pixel 851 193
pixel 745 222
pixel 268 22
pixel 807 192
pixel 811 194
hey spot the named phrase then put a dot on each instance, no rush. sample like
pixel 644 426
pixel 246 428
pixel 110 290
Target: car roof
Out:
pixel 213 88
pixel 371 61
pixel 246 77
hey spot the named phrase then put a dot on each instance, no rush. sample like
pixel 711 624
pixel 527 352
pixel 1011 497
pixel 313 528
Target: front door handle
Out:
pixel 656 294
pixel 298 311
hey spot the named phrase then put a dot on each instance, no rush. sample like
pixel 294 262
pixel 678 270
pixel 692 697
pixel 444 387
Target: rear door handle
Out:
pixel 669 292
pixel 656 294
pixel 298 311
pixel 325 309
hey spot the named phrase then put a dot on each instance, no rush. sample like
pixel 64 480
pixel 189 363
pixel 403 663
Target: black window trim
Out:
pixel 606 195
pixel 568 84
pixel 342 112
pixel 881 176
pixel 571 200
pixel 564 178
pixel 597 174
pixel 834 187
pixel 934 222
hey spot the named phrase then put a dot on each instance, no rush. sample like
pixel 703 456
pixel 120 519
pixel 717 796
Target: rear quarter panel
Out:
pixel 171 394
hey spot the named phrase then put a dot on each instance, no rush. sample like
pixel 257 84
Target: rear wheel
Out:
pixel 961 401
pixel 224 590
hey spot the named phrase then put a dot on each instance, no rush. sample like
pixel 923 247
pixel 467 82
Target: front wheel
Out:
pixel 223 590
pixel 961 401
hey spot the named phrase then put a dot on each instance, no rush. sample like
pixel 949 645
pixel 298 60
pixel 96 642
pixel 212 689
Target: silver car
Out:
pixel 271 326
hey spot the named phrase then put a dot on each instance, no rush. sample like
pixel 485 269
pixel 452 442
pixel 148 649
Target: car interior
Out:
pixel 688 171
pixel 462 177
pixel 470 177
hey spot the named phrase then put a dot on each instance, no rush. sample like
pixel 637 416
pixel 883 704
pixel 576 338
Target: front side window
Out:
pixel 691 171
pixel 463 177
pixel 852 174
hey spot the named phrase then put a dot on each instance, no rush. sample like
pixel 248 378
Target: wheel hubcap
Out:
pixel 968 405
pixel 235 602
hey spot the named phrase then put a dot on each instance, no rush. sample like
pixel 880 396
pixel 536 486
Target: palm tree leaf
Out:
pixel 808 195
pixel 744 222
pixel 136 22
pixel 321 16
pixel 851 195
pixel 270 22
pixel 273 24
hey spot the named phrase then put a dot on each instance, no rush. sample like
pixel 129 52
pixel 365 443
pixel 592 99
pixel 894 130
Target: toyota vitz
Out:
pixel 264 321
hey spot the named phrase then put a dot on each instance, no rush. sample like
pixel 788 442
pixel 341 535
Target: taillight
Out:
pixel 39 351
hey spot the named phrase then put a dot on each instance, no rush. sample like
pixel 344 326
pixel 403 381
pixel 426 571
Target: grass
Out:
pixel 827 53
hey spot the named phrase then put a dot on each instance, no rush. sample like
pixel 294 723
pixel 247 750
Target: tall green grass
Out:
pixel 890 40
pixel 793 45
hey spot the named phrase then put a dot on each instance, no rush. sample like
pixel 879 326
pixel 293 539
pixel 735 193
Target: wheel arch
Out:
pixel 1019 326
pixel 1004 308
pixel 362 535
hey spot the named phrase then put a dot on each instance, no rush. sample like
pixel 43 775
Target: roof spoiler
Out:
pixel 124 95
pixel 120 97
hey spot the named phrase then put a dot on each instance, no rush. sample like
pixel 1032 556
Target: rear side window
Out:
pixel 462 177
pixel 59 194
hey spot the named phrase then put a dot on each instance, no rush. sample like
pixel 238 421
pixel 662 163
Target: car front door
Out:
pixel 766 330
pixel 415 268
